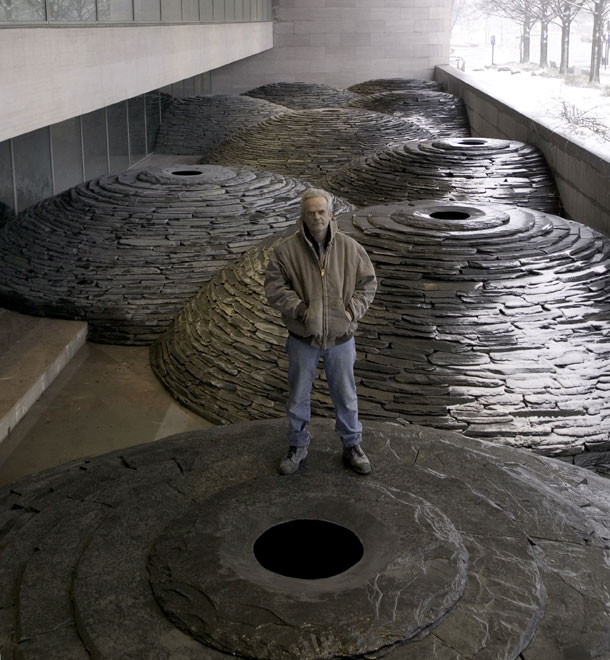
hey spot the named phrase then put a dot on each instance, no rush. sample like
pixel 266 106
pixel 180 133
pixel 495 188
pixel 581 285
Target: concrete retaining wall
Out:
pixel 342 42
pixel 49 74
pixel 583 176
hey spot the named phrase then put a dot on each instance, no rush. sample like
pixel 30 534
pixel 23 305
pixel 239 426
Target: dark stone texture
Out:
pixel 125 252
pixel 378 85
pixel 440 113
pixel 452 169
pixel 198 124
pixel 312 144
pixel 302 95
pixel 455 566
pixel 490 323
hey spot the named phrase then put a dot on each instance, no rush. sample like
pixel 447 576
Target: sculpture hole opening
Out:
pixel 186 172
pixel 473 141
pixel 450 215
pixel 308 549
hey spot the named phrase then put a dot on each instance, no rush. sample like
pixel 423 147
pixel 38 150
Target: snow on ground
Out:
pixel 544 95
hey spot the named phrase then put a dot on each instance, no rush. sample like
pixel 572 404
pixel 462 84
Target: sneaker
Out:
pixel 290 463
pixel 355 458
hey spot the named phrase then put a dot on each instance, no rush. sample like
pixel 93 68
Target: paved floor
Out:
pixel 105 399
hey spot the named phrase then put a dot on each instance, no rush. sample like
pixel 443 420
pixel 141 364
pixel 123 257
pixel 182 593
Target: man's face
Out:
pixel 317 217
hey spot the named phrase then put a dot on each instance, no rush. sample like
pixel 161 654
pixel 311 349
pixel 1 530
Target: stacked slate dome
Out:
pixel 441 113
pixel 198 124
pixel 302 95
pixel 160 551
pixel 311 144
pixel 476 169
pixel 125 252
pixel 490 320
pixel 377 85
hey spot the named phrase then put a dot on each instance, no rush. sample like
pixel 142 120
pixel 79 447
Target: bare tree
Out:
pixel 565 12
pixel 601 11
pixel 22 10
pixel 518 11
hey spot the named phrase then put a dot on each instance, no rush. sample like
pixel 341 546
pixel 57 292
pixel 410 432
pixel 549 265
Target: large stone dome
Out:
pixel 490 320
pixel 125 252
pixel 453 169
pixel 302 95
pixel 198 124
pixel 311 144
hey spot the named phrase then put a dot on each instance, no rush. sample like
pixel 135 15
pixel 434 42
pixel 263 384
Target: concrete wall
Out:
pixel 342 42
pixel 582 176
pixel 49 74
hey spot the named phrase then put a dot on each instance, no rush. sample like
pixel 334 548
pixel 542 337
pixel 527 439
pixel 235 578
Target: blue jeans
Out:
pixel 339 367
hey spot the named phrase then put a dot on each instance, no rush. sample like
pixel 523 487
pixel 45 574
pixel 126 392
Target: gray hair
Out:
pixel 310 193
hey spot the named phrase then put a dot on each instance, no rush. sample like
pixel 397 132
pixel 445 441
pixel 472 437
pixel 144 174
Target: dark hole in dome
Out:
pixel 450 215
pixel 472 141
pixel 186 172
pixel 308 549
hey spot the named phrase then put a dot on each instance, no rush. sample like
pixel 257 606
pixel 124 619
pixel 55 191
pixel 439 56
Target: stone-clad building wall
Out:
pixel 342 42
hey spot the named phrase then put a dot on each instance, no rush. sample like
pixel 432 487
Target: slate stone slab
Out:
pixel 453 169
pixel 487 350
pixel 125 252
pixel 302 95
pixel 198 124
pixel 454 565
pixel 312 144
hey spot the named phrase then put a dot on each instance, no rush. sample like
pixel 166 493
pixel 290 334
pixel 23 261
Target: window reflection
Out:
pixel 118 137
pixel 137 129
pixel 76 11
pixel 147 11
pixel 206 10
pixel 153 120
pixel 115 10
pixel 95 144
pixel 22 11
pixel 33 174
pixel 67 154
pixel 7 200
pixel 190 10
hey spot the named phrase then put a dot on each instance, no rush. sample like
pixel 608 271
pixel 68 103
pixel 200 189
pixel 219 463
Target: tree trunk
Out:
pixel 596 40
pixel 565 48
pixel 544 44
pixel 525 39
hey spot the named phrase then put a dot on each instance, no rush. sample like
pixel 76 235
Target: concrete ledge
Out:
pixel 579 172
pixel 33 351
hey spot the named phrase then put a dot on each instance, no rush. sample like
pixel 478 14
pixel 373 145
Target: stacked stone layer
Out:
pixel 302 96
pixel 312 144
pixel 452 169
pixel 489 320
pixel 199 124
pixel 378 85
pixel 438 112
pixel 125 252
pixel 471 550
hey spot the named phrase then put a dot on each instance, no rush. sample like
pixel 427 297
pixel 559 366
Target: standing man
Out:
pixel 322 281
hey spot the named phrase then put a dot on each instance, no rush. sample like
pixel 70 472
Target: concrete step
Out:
pixel 33 351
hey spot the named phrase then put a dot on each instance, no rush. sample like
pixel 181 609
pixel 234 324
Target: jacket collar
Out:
pixel 302 229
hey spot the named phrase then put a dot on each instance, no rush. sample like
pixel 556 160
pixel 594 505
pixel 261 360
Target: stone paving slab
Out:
pixel 379 85
pixel 509 566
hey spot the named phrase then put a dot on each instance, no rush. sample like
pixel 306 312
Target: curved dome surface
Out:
pixel 377 85
pixel 198 124
pixel 489 320
pixel 441 113
pixel 302 95
pixel 453 169
pixel 470 549
pixel 125 252
pixel 311 144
